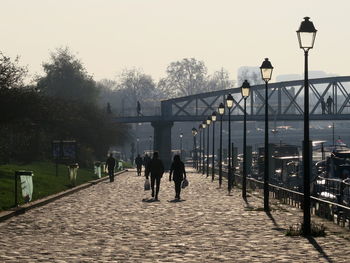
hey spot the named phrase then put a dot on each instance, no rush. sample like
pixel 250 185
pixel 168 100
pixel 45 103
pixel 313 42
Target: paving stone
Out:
pixel 116 222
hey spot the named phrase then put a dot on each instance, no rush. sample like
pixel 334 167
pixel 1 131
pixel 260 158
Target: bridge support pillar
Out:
pixel 162 141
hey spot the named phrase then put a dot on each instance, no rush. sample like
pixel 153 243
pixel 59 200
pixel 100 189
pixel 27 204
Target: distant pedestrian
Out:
pixel 110 163
pixel 323 106
pixel 179 174
pixel 329 104
pixel 138 162
pixel 156 169
pixel 146 160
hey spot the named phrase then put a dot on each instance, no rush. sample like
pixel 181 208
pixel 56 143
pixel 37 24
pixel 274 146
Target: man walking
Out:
pixel 138 162
pixel 110 163
pixel 156 169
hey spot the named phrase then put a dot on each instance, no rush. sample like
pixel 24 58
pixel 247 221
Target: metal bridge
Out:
pixel 286 103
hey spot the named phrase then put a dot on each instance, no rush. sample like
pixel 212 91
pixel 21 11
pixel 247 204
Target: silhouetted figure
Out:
pixel 138 109
pixel 329 104
pixel 179 174
pixel 110 163
pixel 146 160
pixel 156 169
pixel 323 106
pixel 138 162
pixel 109 110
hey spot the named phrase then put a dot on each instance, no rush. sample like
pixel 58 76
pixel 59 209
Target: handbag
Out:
pixel 147 185
pixel 184 183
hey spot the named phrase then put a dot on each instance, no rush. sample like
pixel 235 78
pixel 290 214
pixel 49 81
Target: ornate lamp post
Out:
pixel 213 119
pixel 266 73
pixel 306 36
pixel 208 124
pixel 181 135
pixel 194 133
pixel 150 144
pixel 221 111
pixel 245 89
pixel 204 125
pixel 229 105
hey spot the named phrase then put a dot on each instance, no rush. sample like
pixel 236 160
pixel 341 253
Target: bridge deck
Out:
pixel 110 222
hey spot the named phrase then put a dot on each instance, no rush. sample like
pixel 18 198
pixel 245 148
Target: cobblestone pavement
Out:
pixel 110 222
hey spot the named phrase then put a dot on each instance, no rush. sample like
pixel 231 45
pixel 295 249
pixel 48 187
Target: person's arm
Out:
pixel 184 171
pixel 147 169
pixel 171 171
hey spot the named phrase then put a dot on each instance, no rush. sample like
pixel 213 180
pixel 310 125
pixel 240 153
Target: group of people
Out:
pixel 327 104
pixel 155 169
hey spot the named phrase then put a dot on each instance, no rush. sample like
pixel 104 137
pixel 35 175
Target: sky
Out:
pixel 111 35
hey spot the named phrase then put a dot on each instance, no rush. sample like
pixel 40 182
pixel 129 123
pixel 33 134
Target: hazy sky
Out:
pixel 110 35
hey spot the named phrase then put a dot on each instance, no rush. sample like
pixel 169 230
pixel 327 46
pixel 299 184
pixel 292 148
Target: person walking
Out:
pixel 110 163
pixel 138 162
pixel 146 160
pixel 323 106
pixel 156 169
pixel 179 174
pixel 329 104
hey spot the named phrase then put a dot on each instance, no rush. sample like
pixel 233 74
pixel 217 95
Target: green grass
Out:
pixel 45 181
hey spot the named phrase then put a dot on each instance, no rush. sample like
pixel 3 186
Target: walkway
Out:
pixel 110 222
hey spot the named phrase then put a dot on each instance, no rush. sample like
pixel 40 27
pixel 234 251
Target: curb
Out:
pixel 4 215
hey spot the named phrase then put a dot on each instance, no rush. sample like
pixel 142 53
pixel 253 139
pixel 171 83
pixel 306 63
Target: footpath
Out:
pixel 117 222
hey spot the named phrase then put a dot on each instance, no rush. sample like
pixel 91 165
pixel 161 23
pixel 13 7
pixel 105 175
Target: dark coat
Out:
pixel 177 169
pixel 110 163
pixel 155 168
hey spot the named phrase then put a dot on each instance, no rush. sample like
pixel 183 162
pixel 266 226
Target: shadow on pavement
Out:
pixel 176 201
pixel 151 200
pixel 319 249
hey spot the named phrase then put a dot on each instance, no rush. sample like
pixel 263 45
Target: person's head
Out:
pixel 111 155
pixel 177 158
pixel 146 155
pixel 138 155
pixel 155 155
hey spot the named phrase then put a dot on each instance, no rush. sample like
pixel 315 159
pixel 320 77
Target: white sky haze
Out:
pixel 110 35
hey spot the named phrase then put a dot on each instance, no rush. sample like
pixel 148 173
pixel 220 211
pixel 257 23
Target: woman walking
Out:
pixel 179 174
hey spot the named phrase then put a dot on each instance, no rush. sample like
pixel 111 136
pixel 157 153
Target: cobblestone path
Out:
pixel 110 222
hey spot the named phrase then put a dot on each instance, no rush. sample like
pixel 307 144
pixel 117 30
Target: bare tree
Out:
pixel 11 74
pixel 185 77
pixel 220 80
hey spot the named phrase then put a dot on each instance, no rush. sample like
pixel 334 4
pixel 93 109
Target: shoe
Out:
pixel 152 194
pixel 156 198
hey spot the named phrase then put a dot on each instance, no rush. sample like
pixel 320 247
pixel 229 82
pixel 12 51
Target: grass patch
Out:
pixel 317 230
pixel 45 181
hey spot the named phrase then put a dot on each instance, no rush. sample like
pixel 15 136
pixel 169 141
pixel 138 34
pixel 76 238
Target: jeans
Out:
pixel 111 175
pixel 177 188
pixel 155 179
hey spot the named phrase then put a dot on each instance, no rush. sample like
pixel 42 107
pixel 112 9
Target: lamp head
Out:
pixel 306 34
pixel 266 70
pixel 245 89
pixel 213 116
pixel 194 131
pixel 229 101
pixel 221 109
pixel 208 120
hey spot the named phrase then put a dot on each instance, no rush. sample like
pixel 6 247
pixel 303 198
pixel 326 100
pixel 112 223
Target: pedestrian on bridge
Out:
pixel 156 169
pixel 329 104
pixel 177 169
pixel 110 163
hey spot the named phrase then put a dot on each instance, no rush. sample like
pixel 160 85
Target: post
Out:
pixel 203 157
pixel 16 189
pixel 213 151
pixel 244 179
pixel 306 153
pixel 208 151
pixel 229 174
pixel 200 150
pixel 266 150
pixel 220 154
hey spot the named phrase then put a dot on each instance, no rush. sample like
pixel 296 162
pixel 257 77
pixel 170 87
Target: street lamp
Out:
pixel 181 135
pixel 229 105
pixel 194 133
pixel 137 145
pixel 221 111
pixel 150 144
pixel 208 123
pixel 213 119
pixel 266 73
pixel 204 125
pixel 245 89
pixel 306 36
